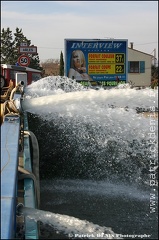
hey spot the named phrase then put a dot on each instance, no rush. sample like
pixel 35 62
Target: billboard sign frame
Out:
pixel 106 59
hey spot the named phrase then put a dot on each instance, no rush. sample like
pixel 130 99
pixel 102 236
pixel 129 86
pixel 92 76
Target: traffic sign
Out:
pixel 23 44
pixel 24 60
pixel 27 49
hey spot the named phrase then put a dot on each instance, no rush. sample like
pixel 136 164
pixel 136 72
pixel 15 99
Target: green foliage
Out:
pixel 7 46
pixel 154 83
pixel 154 75
pixel 154 71
pixel 10 44
pixel 61 73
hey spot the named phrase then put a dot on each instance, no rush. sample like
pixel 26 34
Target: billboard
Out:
pixel 104 61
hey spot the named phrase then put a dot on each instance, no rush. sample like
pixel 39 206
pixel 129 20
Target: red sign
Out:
pixel 24 60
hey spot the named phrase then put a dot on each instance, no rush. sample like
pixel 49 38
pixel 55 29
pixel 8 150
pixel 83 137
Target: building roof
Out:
pixel 140 51
pixel 14 67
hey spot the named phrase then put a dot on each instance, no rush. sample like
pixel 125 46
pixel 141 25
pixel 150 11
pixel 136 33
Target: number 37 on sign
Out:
pixel 24 60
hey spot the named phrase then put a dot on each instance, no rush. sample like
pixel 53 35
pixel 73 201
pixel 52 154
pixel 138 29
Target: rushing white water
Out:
pixel 71 226
pixel 103 126
pixel 73 94
pixel 112 114
pixel 95 188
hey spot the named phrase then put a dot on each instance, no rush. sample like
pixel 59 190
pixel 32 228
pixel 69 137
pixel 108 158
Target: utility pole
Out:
pixel 155 57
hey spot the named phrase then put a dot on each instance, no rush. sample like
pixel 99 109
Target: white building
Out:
pixel 139 67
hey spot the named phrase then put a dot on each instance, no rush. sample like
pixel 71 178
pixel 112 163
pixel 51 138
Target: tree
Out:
pixel 154 76
pixel 18 39
pixel 154 71
pixel 10 47
pixel 51 67
pixel 61 73
pixel 7 46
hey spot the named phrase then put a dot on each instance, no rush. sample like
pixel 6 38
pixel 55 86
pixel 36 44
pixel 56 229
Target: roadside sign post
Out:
pixel 23 44
pixel 24 60
pixel 28 50
pixel 25 50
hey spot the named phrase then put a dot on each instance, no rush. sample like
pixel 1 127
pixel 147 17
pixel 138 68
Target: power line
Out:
pixel 51 48
pixel 63 47
pixel 145 43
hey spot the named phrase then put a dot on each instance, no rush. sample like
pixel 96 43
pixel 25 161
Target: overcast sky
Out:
pixel 48 23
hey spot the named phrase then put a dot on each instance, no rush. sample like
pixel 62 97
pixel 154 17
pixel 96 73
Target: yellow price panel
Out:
pixel 119 69
pixel 120 58
pixel 101 69
pixel 101 57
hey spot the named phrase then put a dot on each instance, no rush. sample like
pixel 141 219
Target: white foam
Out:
pixel 111 113
pixel 71 226
pixel 115 109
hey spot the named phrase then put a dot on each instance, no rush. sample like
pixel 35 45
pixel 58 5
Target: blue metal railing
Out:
pixel 10 131
pixel 31 227
pixel 11 173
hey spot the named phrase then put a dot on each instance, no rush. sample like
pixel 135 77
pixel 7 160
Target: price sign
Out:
pixel 105 59
pixel 119 69
pixel 120 58
pixel 24 60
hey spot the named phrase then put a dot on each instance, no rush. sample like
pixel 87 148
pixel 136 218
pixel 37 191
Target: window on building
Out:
pixel 13 74
pixel 5 73
pixel 134 67
pixel 36 76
